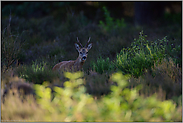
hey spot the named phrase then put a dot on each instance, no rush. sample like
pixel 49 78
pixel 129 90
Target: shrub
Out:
pixel 37 73
pixel 65 99
pixel 141 55
pixel 164 79
pixel 123 104
pixel 135 65
pixel 175 52
pixel 102 65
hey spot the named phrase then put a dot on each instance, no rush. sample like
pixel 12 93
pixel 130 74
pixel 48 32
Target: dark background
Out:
pixel 134 12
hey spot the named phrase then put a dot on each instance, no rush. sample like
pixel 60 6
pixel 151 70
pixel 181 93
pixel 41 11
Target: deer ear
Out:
pixel 77 47
pixel 89 46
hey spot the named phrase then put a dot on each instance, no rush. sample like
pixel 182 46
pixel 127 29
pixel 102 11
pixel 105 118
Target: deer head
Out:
pixel 75 65
pixel 83 51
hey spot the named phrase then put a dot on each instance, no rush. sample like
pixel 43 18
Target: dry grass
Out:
pixel 165 80
pixel 14 109
pixel 15 106
pixel 97 84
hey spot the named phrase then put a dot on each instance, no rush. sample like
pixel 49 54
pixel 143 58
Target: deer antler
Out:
pixel 79 42
pixel 87 42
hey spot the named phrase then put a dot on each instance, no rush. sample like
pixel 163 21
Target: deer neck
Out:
pixel 78 63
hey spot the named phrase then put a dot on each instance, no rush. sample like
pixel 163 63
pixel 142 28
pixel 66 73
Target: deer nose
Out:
pixel 84 57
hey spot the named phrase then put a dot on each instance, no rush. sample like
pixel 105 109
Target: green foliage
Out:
pixel 178 99
pixel 110 23
pixel 141 55
pixel 71 101
pixel 175 52
pixel 134 66
pixel 153 48
pixel 123 104
pixel 37 73
pixel 102 65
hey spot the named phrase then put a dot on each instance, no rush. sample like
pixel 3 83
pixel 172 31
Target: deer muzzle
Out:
pixel 84 58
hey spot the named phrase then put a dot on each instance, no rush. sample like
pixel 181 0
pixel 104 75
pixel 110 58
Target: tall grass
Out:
pixel 11 43
pixel 37 73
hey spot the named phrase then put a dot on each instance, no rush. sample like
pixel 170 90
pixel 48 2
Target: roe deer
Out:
pixel 75 65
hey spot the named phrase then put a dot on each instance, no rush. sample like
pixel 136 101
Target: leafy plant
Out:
pixel 102 65
pixel 71 100
pixel 175 52
pixel 122 104
pixel 141 55
pixel 37 73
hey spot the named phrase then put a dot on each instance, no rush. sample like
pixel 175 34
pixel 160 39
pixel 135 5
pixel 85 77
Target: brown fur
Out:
pixel 75 65
pixel 69 66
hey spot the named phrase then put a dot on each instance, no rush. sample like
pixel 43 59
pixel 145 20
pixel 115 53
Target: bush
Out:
pixel 135 65
pixel 123 104
pixel 175 52
pixel 37 73
pixel 141 55
pixel 102 65
pixel 164 79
